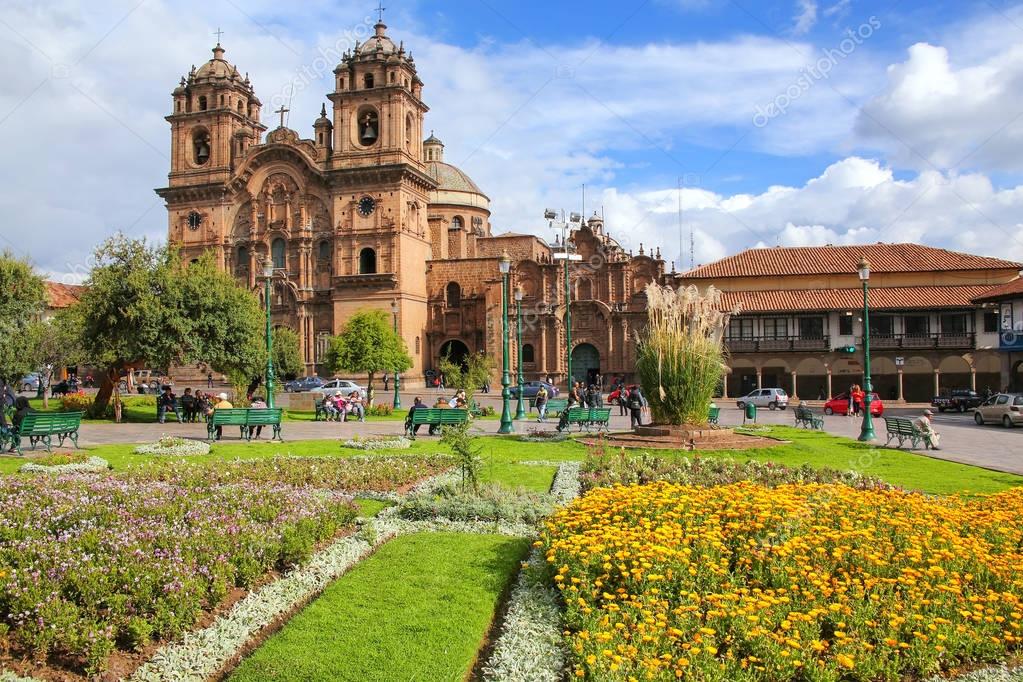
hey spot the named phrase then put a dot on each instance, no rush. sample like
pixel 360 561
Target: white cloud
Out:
pixel 806 18
pixel 938 114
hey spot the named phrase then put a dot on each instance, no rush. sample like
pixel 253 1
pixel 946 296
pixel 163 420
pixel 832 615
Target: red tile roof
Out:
pixel 62 295
pixel 828 260
pixel 1007 290
pixel 881 298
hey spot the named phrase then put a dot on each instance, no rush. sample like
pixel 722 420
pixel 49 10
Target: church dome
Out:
pixel 378 44
pixel 452 179
pixel 218 67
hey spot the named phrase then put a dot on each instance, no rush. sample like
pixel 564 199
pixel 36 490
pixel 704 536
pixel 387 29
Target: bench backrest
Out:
pixel 600 414
pixel 50 422
pixel 589 414
pixel 442 415
pixel 234 416
pixel 263 416
pixel 713 412
pixel 557 404
pixel 899 424
pixel 803 413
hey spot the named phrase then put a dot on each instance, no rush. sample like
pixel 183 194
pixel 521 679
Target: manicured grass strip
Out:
pixel 416 610
pixel 370 508
pixel 534 478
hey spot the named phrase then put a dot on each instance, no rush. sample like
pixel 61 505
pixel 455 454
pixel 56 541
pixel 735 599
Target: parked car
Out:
pixel 146 379
pixel 531 388
pixel 840 405
pixel 29 382
pixel 343 385
pixel 958 400
pixel 772 398
pixel 303 384
pixel 1002 408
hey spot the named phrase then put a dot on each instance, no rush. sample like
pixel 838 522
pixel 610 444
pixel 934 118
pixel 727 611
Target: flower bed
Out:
pixel 65 463
pixel 378 443
pixel 174 447
pixel 331 473
pixel 87 562
pixel 489 503
pixel 543 436
pixel 617 468
pixel 811 582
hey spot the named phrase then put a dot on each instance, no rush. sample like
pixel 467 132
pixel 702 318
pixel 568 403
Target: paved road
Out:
pixel 963 441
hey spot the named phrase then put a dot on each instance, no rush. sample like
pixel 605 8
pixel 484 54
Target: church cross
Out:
pixel 283 110
pixel 218 33
pixel 380 9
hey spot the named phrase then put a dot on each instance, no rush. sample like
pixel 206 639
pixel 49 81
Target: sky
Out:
pixel 770 122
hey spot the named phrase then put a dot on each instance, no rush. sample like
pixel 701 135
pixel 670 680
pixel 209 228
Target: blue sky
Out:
pixel 913 133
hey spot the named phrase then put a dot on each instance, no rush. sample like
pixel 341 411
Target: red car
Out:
pixel 840 405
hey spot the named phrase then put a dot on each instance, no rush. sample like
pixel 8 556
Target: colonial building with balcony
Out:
pixel 800 327
pixel 1005 305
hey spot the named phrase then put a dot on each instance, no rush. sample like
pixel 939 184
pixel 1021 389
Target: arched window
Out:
pixel 367 81
pixel 200 146
pixel 243 257
pixel 367 262
pixel 241 107
pixel 323 252
pixel 456 223
pixel 277 253
pixel 417 345
pixel 527 353
pixel 408 132
pixel 391 77
pixel 453 294
pixel 202 102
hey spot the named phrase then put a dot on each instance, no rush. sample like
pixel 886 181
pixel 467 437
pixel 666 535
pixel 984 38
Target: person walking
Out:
pixel 858 397
pixel 209 379
pixel 387 381
pixel 923 424
pixel 541 404
pixel 636 404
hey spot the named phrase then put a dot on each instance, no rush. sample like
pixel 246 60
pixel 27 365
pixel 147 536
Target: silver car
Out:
pixel 1004 408
pixel 772 398
pixel 343 385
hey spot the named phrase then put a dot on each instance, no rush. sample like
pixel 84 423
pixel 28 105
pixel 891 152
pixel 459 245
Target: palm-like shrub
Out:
pixel 680 356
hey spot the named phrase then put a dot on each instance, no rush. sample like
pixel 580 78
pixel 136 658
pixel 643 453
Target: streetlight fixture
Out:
pixel 867 429
pixel 268 275
pixel 520 413
pixel 557 221
pixel 397 378
pixel 506 419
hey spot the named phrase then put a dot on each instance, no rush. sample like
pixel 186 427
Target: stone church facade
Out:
pixel 367 214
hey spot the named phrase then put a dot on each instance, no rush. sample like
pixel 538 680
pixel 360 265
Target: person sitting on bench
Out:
pixel 926 429
pixel 417 404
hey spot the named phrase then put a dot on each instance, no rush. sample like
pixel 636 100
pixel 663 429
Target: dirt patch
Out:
pixel 682 438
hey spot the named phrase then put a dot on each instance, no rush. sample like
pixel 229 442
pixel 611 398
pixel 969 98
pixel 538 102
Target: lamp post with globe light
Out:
pixel 397 378
pixel 268 275
pixel 506 419
pixel 520 412
pixel 867 428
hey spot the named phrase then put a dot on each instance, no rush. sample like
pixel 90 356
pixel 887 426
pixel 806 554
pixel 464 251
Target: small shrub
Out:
pixel 380 410
pixel 76 402
pixel 467 451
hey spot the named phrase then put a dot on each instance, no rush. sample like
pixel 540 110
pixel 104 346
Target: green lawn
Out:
pixel 369 508
pixel 418 609
pixel 501 457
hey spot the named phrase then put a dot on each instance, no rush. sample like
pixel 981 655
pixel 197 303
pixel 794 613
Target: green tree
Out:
pixel 287 353
pixel 55 343
pixel 22 300
pixel 368 345
pixel 143 307
pixel 475 370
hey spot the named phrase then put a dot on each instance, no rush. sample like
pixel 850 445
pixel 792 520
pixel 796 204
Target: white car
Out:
pixel 773 398
pixel 343 385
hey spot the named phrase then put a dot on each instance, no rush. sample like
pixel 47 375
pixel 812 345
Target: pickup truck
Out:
pixel 958 400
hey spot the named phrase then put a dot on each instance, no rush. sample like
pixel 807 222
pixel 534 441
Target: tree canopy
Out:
pixel 53 344
pixel 287 353
pixel 368 345
pixel 469 375
pixel 22 300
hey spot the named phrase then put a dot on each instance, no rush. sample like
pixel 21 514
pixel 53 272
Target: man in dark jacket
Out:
pixel 167 401
pixel 636 403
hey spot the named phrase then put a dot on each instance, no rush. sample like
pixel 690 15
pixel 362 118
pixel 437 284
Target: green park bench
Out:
pixel 244 419
pixel 589 417
pixel 434 417
pixel 40 427
pixel 902 429
pixel 713 414
pixel 807 419
pixel 555 406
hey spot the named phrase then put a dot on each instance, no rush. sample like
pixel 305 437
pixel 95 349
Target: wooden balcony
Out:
pixel 777 344
pixel 922 341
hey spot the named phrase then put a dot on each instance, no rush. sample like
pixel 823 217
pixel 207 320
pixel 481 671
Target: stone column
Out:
pixel 937 381
pixel 973 378
pixel 828 377
pixel 759 379
pixel 795 393
pixel 724 386
pixel 901 398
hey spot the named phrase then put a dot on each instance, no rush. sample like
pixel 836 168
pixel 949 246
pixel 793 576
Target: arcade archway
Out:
pixel 585 363
pixel 455 351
